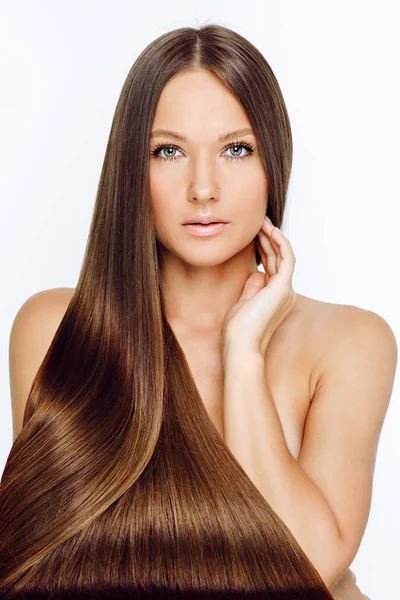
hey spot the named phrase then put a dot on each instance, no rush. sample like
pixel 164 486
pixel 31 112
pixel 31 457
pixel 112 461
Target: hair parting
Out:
pixel 118 484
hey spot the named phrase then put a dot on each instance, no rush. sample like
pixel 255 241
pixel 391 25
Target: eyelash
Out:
pixel 249 147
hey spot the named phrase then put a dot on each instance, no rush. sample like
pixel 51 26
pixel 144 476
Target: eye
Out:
pixel 159 147
pixel 235 145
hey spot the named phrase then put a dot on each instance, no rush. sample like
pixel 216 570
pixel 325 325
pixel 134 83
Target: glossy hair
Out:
pixel 118 484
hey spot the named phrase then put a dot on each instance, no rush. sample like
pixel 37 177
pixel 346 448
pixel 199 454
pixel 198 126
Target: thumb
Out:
pixel 253 284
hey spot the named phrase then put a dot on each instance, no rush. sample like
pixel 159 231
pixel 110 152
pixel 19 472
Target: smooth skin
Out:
pixel 267 299
pixel 204 278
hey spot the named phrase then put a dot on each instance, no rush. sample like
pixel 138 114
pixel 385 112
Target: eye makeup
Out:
pixel 239 144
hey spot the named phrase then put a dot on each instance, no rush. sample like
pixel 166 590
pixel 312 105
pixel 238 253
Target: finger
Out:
pixel 269 253
pixel 262 254
pixel 254 283
pixel 273 249
pixel 264 258
pixel 288 258
pixel 268 228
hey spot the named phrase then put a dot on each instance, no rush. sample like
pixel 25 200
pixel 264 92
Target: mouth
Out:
pixel 205 222
pixel 199 229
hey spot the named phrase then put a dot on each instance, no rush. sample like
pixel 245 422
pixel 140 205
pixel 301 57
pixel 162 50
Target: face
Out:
pixel 203 174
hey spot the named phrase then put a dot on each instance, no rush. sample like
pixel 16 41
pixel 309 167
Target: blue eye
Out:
pixel 157 150
pixel 250 149
pixel 236 145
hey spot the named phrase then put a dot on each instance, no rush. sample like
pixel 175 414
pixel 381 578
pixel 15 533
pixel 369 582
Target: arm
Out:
pixel 32 332
pixel 324 497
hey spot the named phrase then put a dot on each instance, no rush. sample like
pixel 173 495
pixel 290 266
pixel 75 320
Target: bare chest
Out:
pixel 288 366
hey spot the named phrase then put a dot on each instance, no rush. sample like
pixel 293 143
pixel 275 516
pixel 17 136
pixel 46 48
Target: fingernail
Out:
pixel 268 219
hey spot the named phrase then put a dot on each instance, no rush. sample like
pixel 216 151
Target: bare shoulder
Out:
pixel 338 328
pixel 32 332
pixel 42 311
pixel 356 358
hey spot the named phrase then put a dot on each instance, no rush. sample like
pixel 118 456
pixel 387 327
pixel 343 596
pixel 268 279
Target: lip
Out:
pixel 197 229
pixel 204 220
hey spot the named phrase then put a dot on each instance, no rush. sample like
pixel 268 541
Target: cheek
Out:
pixel 250 202
pixel 162 195
pixel 248 183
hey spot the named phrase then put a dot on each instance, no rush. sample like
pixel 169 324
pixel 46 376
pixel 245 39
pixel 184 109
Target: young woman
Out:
pixel 185 424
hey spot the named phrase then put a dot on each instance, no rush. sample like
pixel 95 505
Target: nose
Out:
pixel 204 180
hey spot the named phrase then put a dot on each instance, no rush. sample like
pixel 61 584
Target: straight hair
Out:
pixel 119 484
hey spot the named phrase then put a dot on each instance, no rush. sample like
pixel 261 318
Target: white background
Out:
pixel 63 65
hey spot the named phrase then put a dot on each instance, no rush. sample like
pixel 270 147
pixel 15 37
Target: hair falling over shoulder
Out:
pixel 119 485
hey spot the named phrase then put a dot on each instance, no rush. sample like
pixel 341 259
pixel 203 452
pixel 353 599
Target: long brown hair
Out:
pixel 118 484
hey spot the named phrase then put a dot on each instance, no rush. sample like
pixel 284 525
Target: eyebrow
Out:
pixel 222 138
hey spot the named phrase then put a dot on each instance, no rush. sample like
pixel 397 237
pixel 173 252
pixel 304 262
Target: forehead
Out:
pixel 199 105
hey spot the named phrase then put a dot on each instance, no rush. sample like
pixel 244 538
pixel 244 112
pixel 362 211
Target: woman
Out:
pixel 177 428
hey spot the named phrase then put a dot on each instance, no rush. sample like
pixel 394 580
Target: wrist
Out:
pixel 239 351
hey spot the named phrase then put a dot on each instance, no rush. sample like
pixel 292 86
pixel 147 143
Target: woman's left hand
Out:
pixel 267 298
